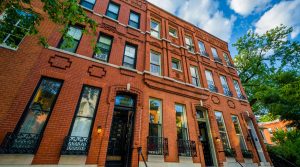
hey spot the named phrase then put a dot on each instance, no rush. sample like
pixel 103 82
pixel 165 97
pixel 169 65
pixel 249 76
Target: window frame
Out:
pixel 62 38
pixel 197 77
pixel 179 64
pixel 185 120
pixel 176 32
pixel 7 36
pixel 227 59
pixel 215 56
pixel 208 81
pixel 226 132
pixel 93 5
pixel 192 46
pixel 157 31
pixel 241 132
pixel 238 91
pixel 110 48
pixel 25 111
pixel 77 109
pixel 161 114
pixel 107 11
pixel 135 58
pixel 225 85
pixel 151 63
pixel 139 21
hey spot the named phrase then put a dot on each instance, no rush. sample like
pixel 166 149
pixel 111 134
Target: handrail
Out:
pixel 140 153
pixel 274 156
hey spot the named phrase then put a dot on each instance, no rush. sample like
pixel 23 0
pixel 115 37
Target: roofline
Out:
pixel 270 122
pixel 187 22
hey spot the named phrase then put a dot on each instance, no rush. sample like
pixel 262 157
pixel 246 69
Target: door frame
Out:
pixel 209 133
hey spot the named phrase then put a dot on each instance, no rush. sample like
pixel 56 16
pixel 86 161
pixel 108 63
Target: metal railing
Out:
pixel 20 143
pixel 75 145
pixel 141 154
pixel 186 148
pixel 229 152
pixel 279 161
pixel 157 145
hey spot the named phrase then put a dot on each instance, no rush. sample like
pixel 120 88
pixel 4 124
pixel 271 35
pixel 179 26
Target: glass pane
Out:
pixel 154 25
pixel 201 46
pixel 182 133
pixel 105 40
pixel 75 32
pixel 155 58
pixel 88 101
pixel 72 48
pixel 180 116
pixel 133 24
pixel 224 140
pixel 222 129
pixel 155 130
pixel 242 142
pixel 134 17
pixel 195 81
pixel 40 107
pixel 193 71
pixel 124 100
pixel 237 87
pixel 155 34
pixel 112 15
pixel 188 40
pixel 173 32
pixel 81 127
pixel 155 69
pixel 113 8
pixel 90 1
pixel 129 60
pixel 155 111
pixel 130 51
pixel 226 58
pixel 214 52
pixel 209 77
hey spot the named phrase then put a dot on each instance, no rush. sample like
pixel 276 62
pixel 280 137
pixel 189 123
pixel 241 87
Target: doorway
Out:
pixel 205 137
pixel 120 140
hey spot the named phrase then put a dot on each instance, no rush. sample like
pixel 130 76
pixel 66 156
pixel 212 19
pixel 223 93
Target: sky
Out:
pixel 231 19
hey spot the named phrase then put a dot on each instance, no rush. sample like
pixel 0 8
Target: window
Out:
pixel 214 52
pixel 195 76
pixel 222 129
pixel 33 122
pixel 85 113
pixel 237 88
pixel 210 81
pixel 88 3
pixel 113 10
pixel 155 63
pixel 155 29
pixel 103 47
pixel 129 56
pixel 75 34
pixel 80 131
pixel 226 58
pixel 239 132
pixel 155 114
pixel 202 49
pixel 181 122
pixel 173 32
pixel 189 44
pixel 176 64
pixel 224 83
pixel 134 20
pixel 14 26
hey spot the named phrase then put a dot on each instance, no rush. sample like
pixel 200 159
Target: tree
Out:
pixel 60 12
pixel 269 68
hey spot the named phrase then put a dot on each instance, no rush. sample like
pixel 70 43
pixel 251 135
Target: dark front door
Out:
pixel 120 140
pixel 205 144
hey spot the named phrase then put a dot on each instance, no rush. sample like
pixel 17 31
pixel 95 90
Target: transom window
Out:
pixel 130 56
pixel 173 32
pixel 189 44
pixel 155 29
pixel 14 26
pixel 195 76
pixel 176 64
pixel 88 3
pixel 113 10
pixel 134 20
pixel 103 47
pixel 75 33
pixel 222 130
pixel 155 63
pixel 239 132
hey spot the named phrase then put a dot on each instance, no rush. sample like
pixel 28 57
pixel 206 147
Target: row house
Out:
pixel 156 91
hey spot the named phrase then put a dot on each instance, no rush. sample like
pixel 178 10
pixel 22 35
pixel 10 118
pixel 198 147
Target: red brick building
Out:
pixel 158 84
pixel 268 128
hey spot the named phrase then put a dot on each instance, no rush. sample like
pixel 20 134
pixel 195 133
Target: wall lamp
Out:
pixel 99 129
pixel 218 139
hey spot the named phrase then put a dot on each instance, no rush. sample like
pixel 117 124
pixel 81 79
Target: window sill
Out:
pixel 191 52
pixel 7 47
pixel 85 8
pixel 139 30
pixel 177 70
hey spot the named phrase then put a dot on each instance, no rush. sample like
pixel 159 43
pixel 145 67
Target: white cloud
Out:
pixel 285 12
pixel 202 13
pixel 246 7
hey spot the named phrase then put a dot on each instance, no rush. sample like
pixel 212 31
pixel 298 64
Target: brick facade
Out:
pixel 22 69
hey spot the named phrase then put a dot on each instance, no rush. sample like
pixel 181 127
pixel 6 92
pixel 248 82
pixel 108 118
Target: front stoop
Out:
pixel 158 161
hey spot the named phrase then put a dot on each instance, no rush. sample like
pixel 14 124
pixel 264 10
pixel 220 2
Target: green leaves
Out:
pixel 269 68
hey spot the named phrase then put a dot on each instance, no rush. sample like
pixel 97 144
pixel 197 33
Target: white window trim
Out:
pixel 224 127
pixel 151 29
pixel 241 134
pixel 152 63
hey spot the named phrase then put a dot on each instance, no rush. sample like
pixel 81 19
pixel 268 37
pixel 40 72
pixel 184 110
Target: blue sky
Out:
pixel 231 19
